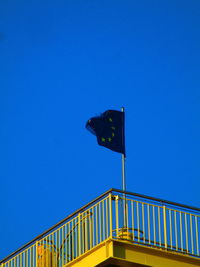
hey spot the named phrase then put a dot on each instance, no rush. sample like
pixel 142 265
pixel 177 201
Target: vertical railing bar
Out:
pixel 175 225
pixel 26 256
pixel 117 215
pixel 20 259
pixel 107 222
pixel 79 234
pixel 197 235
pixel 61 250
pixel 93 225
pixel 96 215
pixel 93 228
pixel 86 231
pixel 103 220
pixel 42 254
pixel 58 240
pixel 74 237
pixel 46 252
pixel 35 261
pixel 132 217
pixel 36 253
pixel 17 261
pixel 90 227
pixel 57 244
pixel 165 225
pixel 149 226
pixel 100 222
pixel 30 257
pixel 181 235
pixel 109 233
pixel 186 232
pixel 154 225
pixel 170 228
pixel 111 216
pixel 191 232
pixel 138 222
pixel 70 242
pixel 54 247
pixel 82 233
pixel 106 217
pixel 143 227
pixel 159 230
pixel 77 231
pixel 126 212
pixel 51 250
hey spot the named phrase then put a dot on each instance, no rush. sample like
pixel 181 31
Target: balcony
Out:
pixel 120 219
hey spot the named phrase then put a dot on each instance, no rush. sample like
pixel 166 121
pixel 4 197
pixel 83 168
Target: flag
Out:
pixel 109 130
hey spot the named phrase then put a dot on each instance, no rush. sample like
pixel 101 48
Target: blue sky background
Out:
pixel 64 61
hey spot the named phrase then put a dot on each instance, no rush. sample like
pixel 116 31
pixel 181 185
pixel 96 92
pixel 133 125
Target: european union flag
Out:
pixel 109 130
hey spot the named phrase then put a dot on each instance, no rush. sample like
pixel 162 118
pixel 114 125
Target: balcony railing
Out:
pixel 129 217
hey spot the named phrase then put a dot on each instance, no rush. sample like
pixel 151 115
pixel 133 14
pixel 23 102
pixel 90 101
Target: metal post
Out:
pixel 123 174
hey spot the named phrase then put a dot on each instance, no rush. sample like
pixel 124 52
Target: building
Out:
pixel 117 229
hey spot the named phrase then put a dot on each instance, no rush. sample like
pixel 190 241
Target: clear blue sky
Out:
pixel 64 61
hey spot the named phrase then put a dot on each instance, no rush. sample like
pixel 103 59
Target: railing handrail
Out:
pixel 89 204
pixel 157 199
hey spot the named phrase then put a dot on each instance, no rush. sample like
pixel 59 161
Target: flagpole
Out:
pixel 123 173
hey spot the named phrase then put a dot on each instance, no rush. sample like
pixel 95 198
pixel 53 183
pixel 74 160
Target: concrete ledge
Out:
pixel 126 254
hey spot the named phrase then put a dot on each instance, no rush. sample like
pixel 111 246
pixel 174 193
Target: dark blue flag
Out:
pixel 109 130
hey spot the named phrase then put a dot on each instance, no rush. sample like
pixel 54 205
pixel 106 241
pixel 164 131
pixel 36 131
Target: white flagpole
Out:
pixel 124 176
